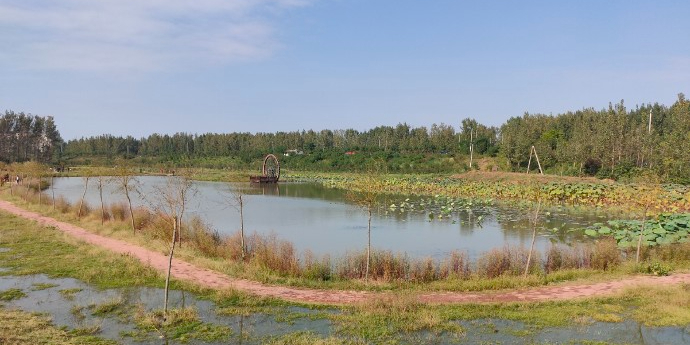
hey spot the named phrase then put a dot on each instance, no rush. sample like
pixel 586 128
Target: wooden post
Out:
pixel 537 157
pixel 529 163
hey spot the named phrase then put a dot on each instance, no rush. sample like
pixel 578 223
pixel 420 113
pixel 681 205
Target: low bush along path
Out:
pixel 208 278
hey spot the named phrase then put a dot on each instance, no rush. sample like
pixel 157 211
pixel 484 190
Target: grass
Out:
pixel 37 250
pixel 12 294
pixel 182 324
pixel 309 338
pixel 42 286
pixel 112 306
pixel 19 327
pixel 70 293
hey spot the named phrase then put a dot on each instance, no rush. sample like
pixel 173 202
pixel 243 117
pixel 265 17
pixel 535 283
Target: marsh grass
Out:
pixel 77 312
pixel 309 338
pixel 182 324
pixel 19 327
pixel 12 294
pixel 387 317
pixel 112 306
pixel 42 286
pixel 69 294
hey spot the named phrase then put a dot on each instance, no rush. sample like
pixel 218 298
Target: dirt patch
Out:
pixel 183 270
pixel 514 177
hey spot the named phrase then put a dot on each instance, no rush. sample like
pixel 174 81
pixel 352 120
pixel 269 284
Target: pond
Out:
pixel 324 221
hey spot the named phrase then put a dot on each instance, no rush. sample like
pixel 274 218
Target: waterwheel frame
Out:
pixel 271 173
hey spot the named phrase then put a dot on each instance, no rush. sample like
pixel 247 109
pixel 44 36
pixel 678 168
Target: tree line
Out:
pixel 609 143
pixel 614 142
pixel 26 137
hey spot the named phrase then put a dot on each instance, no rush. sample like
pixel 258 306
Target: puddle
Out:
pixel 71 304
pixel 4 250
pixel 627 332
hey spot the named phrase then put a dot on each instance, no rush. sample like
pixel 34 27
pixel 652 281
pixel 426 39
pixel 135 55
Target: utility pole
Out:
pixel 471 147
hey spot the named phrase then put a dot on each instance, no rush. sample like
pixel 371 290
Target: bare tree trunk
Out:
pixel 244 250
pixel 639 240
pixel 28 188
pixel 52 189
pixel 131 213
pixel 534 237
pixel 167 277
pixel 366 276
pixel 39 189
pixel 100 193
pixel 81 203
pixel 183 201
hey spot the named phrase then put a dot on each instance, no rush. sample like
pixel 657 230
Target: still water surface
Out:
pixel 322 219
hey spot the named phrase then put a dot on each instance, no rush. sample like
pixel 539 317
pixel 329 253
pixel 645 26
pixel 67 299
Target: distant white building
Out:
pixel 293 153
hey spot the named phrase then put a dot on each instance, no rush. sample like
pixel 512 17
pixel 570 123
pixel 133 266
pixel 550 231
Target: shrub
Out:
pixel 203 237
pixel 62 205
pixel 560 257
pixel 316 269
pixel 423 271
pixel 456 266
pixel 605 254
pixel 656 268
pixel 273 253
pixel 119 210
pixel 508 260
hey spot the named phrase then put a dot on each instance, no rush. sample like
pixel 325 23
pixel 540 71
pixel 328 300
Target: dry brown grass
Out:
pixel 560 257
pixel 605 254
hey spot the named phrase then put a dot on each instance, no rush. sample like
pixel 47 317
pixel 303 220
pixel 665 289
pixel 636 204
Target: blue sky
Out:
pixel 135 67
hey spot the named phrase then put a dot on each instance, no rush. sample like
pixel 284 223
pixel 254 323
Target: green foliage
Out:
pixel 656 268
pixel 665 229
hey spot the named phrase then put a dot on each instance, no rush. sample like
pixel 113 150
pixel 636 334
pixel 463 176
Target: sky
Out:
pixel 137 67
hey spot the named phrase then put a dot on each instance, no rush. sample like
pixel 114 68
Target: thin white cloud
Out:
pixel 136 35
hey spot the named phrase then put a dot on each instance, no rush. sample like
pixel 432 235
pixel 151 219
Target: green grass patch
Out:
pixel 37 249
pixel 182 324
pixel 11 294
pixel 42 286
pixel 70 293
pixel 112 306
pixel 309 338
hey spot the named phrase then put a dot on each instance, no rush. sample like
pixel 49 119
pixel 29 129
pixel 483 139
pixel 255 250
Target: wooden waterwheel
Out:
pixel 270 171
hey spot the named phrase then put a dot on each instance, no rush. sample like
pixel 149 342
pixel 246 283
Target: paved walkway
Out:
pixel 188 272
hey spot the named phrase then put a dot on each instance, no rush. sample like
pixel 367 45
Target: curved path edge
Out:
pixel 183 270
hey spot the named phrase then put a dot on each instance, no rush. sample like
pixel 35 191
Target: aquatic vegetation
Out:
pixel 665 229
pixel 671 198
